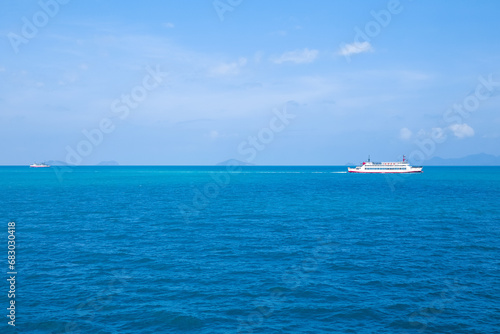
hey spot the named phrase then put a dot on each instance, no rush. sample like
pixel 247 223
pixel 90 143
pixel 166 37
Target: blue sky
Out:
pixel 384 78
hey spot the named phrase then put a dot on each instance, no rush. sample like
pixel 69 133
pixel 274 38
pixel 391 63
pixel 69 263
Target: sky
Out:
pixel 279 82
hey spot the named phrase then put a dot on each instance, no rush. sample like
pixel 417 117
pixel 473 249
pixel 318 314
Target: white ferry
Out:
pixel 385 167
pixel 35 165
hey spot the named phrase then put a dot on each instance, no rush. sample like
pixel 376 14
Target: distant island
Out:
pixel 56 163
pixel 481 159
pixel 108 163
pixel 234 162
pixel 63 163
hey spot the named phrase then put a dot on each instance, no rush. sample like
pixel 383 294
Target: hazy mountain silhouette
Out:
pixel 481 159
pixel 234 162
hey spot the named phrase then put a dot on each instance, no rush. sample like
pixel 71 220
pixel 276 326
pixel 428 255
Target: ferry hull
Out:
pixel 383 172
pixel 39 166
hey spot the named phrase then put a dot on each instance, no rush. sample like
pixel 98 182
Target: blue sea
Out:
pixel 252 250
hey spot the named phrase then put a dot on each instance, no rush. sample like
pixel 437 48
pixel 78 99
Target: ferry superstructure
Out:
pixel 385 167
pixel 35 165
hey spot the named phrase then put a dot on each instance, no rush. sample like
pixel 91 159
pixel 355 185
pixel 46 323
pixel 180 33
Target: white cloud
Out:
pixel 462 130
pixel 297 56
pixel 2 69
pixel 169 25
pixel 405 133
pixel 229 68
pixel 354 48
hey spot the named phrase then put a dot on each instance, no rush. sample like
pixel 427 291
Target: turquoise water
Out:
pixel 258 250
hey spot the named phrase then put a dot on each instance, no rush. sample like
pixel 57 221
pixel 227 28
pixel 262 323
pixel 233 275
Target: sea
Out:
pixel 247 249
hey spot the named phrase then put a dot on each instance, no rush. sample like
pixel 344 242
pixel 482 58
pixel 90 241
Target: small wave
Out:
pixel 187 322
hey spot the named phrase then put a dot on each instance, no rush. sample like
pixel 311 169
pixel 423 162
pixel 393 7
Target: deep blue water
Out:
pixel 263 250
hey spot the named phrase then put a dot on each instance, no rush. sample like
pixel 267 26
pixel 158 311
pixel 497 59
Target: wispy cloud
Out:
pixel 462 130
pixel 297 56
pixel 258 56
pixel 412 75
pixel 437 134
pixel 169 25
pixel 354 48
pixel 229 68
pixel 214 134
pixel 280 33
pixel 405 133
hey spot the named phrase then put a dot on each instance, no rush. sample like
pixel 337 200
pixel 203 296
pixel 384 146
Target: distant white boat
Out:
pixel 385 167
pixel 35 165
